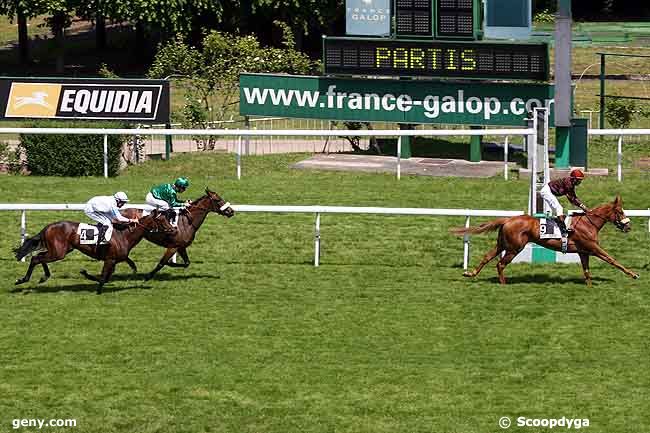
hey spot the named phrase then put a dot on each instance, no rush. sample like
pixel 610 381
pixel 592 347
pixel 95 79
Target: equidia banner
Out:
pixel 389 100
pixel 106 99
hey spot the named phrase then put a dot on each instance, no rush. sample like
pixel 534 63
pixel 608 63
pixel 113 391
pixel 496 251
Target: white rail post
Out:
pixel 105 155
pixel 239 158
pixel 23 229
pixel 317 241
pixel 619 168
pixel 399 153
pixel 466 242
pixel 505 158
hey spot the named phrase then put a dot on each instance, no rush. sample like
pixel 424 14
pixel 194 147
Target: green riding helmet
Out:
pixel 182 182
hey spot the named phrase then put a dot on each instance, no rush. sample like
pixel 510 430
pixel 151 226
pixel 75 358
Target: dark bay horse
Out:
pixel 189 222
pixel 56 240
pixel 516 232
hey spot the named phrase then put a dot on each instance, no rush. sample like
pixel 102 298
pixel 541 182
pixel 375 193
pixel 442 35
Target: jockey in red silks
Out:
pixel 559 187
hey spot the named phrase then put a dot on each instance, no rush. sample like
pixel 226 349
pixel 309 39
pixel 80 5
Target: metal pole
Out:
pixel 601 123
pixel 105 155
pixel 317 241
pixel 239 158
pixel 620 158
pixel 23 229
pixel 505 159
pixel 399 153
pixel 466 242
pixel 247 125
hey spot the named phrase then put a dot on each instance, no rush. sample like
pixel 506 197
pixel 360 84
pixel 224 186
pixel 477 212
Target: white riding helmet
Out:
pixel 121 196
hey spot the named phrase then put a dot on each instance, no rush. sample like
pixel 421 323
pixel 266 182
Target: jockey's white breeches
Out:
pixel 156 203
pixel 552 201
pixel 102 219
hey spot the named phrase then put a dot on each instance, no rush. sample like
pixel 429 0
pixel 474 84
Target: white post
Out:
pixel 399 153
pixel 620 158
pixel 23 229
pixel 317 241
pixel 466 246
pixel 105 155
pixel 505 159
pixel 239 158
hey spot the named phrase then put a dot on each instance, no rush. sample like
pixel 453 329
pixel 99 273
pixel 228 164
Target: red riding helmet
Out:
pixel 577 174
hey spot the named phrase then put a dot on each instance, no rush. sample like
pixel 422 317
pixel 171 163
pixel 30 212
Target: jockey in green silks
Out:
pixel 163 197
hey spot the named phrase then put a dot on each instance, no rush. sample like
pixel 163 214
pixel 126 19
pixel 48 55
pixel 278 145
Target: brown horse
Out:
pixel 189 222
pixel 516 232
pixel 56 240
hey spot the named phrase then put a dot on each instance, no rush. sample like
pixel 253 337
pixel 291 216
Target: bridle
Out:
pixel 620 224
pixel 212 208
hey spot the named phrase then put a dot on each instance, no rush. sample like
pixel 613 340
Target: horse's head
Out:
pixel 219 205
pixel 618 217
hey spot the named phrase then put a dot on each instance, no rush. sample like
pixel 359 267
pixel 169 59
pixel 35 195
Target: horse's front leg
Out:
pixel 584 260
pixel 107 271
pixel 186 260
pixel 161 264
pixel 602 254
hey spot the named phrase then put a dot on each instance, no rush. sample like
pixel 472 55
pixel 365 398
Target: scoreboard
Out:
pixel 436 58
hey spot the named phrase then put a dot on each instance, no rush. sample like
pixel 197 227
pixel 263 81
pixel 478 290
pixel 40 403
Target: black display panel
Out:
pixel 471 59
pixel 413 18
pixel 455 18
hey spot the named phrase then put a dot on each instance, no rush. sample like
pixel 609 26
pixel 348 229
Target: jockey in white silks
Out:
pixel 105 209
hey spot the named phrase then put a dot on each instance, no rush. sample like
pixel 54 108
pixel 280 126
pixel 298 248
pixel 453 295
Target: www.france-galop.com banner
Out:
pixel 389 100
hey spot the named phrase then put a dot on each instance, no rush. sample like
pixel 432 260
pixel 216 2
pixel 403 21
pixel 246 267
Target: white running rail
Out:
pixel 315 210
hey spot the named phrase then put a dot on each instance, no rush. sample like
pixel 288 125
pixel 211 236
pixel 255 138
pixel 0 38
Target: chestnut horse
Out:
pixel 189 222
pixel 516 232
pixel 56 240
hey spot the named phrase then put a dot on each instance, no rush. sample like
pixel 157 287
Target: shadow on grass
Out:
pixel 81 287
pixel 547 279
pixel 89 286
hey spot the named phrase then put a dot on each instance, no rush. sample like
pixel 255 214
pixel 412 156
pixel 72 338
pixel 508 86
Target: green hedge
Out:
pixel 71 155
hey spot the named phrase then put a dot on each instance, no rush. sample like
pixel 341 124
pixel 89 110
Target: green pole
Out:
pixel 475 146
pixel 562 146
pixel 601 123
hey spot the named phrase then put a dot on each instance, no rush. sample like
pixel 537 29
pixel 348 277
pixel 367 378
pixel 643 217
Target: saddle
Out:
pixel 88 234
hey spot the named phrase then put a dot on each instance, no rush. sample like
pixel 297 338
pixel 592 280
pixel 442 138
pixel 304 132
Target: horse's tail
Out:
pixel 483 228
pixel 32 244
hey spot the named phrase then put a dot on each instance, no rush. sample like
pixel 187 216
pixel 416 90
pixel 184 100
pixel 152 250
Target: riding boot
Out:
pixel 562 226
pixel 101 233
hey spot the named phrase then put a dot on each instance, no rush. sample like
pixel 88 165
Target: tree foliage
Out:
pixel 212 72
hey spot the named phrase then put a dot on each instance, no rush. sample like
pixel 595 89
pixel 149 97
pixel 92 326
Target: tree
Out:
pixel 212 72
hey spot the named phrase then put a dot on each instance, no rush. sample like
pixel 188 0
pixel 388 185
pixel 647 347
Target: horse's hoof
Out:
pixel 635 276
pixel 42 280
pixel 468 274
pixel 19 281
pixel 147 277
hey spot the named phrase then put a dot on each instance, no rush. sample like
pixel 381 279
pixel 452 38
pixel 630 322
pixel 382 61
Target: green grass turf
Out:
pixel 385 336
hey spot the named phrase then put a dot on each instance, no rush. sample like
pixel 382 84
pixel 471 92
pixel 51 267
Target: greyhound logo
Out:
pixel 37 98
